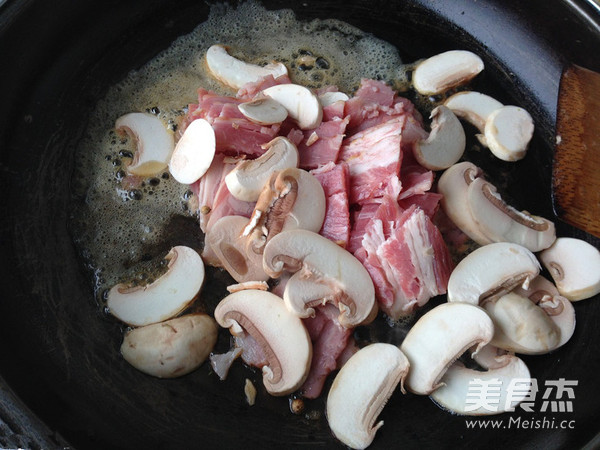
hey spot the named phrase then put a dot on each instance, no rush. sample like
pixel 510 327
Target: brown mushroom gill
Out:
pixel 274 365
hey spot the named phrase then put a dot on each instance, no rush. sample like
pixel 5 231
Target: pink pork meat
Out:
pixel 321 145
pixel 413 260
pixel 335 181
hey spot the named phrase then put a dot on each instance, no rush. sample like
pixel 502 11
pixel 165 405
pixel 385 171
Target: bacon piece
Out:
pixel 335 181
pixel 248 91
pixel 322 145
pixel 373 157
pixel 329 340
pixel 411 265
pixel 240 136
pixel 225 204
pixel 429 202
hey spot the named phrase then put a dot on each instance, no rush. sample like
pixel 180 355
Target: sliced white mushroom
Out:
pixel 193 153
pixel 500 222
pixel 508 131
pixel 445 144
pixel 474 107
pixel 490 272
pixel 560 310
pixel 323 262
pixel 165 297
pixel 360 391
pixel 226 241
pixel 329 98
pixel 264 111
pixel 154 142
pixel 438 338
pixel 247 180
pixel 489 357
pixel 301 104
pixel 513 382
pixel 291 199
pixel 453 185
pixel 235 73
pixel 574 265
pixel 446 70
pixel 172 348
pixel 521 326
pixel 281 335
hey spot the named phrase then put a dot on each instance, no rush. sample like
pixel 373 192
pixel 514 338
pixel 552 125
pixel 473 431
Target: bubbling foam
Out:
pixel 119 226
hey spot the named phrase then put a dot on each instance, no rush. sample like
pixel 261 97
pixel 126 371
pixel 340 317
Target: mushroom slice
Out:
pixel 456 395
pixel 446 70
pixel 153 140
pixel 490 272
pixel 280 334
pixel 438 338
pixel 522 326
pixel 166 297
pixel 172 348
pixel 489 357
pixel 574 265
pixel 445 144
pixel 326 263
pixel 453 185
pixel 235 73
pixel 225 239
pixel 503 223
pixel 264 111
pixel 508 131
pixel 560 310
pixel 301 104
pixel 291 199
pixel 194 152
pixel 360 391
pixel 247 179
pixel 474 107
pixel 329 98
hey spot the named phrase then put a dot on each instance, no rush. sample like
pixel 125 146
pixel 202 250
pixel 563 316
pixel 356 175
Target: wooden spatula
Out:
pixel 576 165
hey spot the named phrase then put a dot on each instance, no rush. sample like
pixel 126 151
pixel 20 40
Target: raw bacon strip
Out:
pixel 415 261
pixel 322 145
pixel 240 136
pixel 373 157
pixel 429 202
pixel 415 179
pixel 248 91
pixel 335 181
pixel 225 204
pixel 329 340
pixel 360 220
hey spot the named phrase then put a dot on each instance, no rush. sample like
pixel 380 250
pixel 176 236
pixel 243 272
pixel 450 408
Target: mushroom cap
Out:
pixel 329 98
pixel 234 72
pixel 522 326
pixel 301 104
pixel 453 185
pixel 455 393
pixel 360 391
pixel 446 70
pixel 154 142
pixel 326 263
pixel 500 222
pixel 490 272
pixel 225 239
pixel 508 131
pixel 247 180
pixel 264 111
pixel 438 338
pixel 281 335
pixel 445 144
pixel 474 107
pixel 172 348
pixel 164 298
pixel 574 265
pixel 193 153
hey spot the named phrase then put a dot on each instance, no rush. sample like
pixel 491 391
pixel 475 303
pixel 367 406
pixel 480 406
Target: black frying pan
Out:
pixel 64 382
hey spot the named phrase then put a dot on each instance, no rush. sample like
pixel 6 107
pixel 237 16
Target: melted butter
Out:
pixel 121 227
